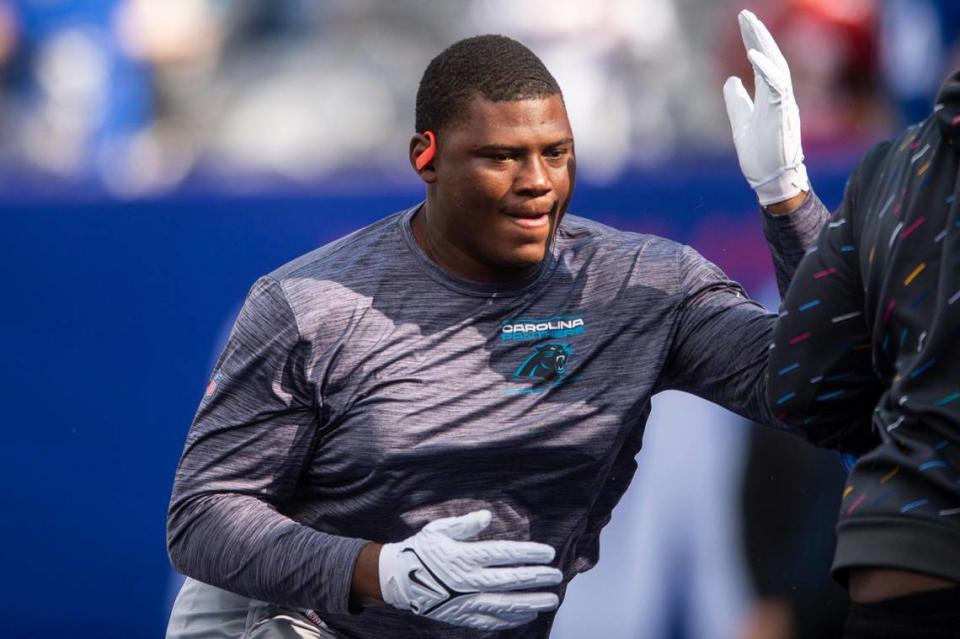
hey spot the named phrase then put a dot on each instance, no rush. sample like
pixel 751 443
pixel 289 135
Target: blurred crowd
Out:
pixel 137 96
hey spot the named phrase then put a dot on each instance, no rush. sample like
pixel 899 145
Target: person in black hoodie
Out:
pixel 866 359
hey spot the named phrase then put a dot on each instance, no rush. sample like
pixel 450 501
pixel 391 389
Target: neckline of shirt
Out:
pixel 469 287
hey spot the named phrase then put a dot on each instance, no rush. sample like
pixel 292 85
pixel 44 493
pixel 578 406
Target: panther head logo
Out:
pixel 546 362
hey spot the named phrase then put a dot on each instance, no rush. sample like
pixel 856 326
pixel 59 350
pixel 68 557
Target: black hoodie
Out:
pixel 867 350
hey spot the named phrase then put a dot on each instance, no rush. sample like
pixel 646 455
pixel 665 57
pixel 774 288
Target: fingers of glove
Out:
pixel 483 622
pixel 739 104
pixel 492 622
pixel 462 527
pixel 506 553
pixel 756 36
pixel 766 72
pixel 511 603
pixel 520 578
pixel 748 32
pixel 516 619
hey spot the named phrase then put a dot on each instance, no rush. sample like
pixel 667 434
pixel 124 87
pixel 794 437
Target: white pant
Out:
pixel 202 611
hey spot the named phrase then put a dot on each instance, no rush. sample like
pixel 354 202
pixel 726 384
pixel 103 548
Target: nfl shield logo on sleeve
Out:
pixel 213 385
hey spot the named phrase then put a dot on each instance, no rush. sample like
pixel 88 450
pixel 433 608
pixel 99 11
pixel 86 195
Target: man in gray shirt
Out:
pixel 480 364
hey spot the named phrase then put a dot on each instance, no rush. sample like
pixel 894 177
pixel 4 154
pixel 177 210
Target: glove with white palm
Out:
pixel 766 130
pixel 437 573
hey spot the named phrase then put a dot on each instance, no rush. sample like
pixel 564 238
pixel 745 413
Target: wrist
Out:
pixel 785 184
pixel 365 585
pixel 787 206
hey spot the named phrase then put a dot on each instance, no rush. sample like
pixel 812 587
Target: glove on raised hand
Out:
pixel 766 130
pixel 438 574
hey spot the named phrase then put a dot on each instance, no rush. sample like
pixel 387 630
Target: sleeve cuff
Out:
pixel 796 231
pixel 335 581
pixel 792 235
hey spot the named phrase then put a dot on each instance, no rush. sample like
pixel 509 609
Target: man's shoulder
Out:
pixel 648 262
pixel 332 279
pixel 580 233
pixel 366 247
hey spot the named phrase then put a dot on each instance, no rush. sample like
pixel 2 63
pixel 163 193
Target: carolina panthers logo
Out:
pixel 548 361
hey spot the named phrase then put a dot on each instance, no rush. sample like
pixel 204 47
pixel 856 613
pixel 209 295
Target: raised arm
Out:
pixel 766 134
pixel 721 346
pixel 721 343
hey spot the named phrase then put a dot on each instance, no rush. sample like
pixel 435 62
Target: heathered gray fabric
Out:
pixel 365 392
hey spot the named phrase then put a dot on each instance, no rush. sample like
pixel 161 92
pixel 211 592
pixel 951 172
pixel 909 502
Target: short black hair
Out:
pixel 495 67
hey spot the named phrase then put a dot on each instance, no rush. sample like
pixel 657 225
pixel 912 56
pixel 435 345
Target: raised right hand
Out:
pixel 766 129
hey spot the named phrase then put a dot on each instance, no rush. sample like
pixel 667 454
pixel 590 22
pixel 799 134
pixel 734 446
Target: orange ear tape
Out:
pixel 426 157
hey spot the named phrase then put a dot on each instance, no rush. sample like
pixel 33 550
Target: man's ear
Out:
pixel 423 150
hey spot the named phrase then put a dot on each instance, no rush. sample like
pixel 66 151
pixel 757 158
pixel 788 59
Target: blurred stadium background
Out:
pixel 158 155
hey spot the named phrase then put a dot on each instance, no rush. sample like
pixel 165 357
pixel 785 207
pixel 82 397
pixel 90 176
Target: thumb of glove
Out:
pixel 463 527
pixel 739 105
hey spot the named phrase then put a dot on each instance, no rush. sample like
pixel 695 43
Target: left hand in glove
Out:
pixel 442 574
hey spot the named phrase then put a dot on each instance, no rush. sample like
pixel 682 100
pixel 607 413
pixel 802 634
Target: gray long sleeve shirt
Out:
pixel 364 392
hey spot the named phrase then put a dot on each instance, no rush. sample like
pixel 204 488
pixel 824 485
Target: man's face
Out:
pixel 502 179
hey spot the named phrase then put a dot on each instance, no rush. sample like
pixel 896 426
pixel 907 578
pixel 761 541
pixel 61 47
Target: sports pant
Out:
pixel 202 611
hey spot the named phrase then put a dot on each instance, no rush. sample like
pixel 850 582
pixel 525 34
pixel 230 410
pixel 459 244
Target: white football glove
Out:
pixel 437 574
pixel 766 131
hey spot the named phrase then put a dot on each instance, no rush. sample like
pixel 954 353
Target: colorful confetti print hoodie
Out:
pixel 866 354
